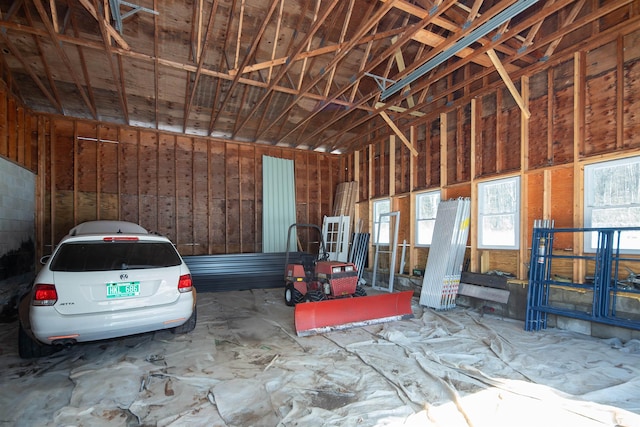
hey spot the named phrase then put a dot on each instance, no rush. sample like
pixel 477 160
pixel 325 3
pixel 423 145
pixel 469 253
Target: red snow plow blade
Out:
pixel 337 314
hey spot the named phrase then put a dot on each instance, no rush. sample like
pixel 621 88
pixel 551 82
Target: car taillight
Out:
pixel 120 239
pixel 44 294
pixel 184 284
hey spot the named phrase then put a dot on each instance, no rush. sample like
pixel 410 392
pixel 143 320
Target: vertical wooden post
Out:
pixel 443 151
pixel 579 94
pixel 473 230
pixel 392 166
pixel 524 181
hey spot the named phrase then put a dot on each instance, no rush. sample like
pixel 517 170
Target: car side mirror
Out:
pixel 44 259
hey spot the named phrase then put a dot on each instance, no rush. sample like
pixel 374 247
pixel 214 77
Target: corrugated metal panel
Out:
pixel 278 202
pixel 237 272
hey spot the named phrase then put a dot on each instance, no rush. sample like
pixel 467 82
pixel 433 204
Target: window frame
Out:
pixel 376 221
pixel 589 201
pixel 516 213
pixel 419 220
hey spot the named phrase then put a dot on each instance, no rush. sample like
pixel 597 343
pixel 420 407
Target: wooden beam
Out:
pixel 215 113
pixel 191 95
pixel 283 70
pixel 508 82
pixel 116 75
pixel 573 14
pixel 399 133
pixel 16 52
pixel 364 28
pixel 62 55
pixel 112 31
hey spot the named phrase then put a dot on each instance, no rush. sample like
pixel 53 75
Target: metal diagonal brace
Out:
pixel 466 41
pixel 381 81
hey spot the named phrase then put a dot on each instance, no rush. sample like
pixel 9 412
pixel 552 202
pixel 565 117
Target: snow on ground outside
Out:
pixel 243 365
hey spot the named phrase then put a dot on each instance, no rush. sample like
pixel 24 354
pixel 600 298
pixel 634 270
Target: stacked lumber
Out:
pixel 346 198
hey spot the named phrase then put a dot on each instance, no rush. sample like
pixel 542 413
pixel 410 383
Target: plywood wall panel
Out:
pixel 421 161
pixel 167 185
pixel 128 169
pixel 87 164
pixel 303 192
pixel 534 203
pixel 511 147
pixel 433 169
pixel 631 104
pixel 184 153
pixel 562 205
pixel 563 122
pixel 538 129
pixel 12 130
pixel 233 217
pixel 63 155
pixel 600 117
pixel 108 160
pixel 365 179
pixel 487 144
pixel 201 227
pixel 325 187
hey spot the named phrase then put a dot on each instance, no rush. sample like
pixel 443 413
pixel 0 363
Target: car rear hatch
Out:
pixel 87 292
pixel 93 276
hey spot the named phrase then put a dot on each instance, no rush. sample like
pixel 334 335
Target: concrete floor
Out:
pixel 243 365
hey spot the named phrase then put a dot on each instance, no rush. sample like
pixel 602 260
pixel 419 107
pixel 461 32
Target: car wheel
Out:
pixel 360 292
pixel 29 348
pixel 187 326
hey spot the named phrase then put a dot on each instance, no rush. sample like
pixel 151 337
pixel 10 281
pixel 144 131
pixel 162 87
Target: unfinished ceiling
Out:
pixel 329 75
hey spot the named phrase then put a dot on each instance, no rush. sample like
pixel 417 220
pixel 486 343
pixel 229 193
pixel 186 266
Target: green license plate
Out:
pixel 123 289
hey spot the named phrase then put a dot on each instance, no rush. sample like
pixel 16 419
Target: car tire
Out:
pixel 314 296
pixel 189 325
pixel 28 348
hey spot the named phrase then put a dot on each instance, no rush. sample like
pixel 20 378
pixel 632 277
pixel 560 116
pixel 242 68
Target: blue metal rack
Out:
pixel 606 289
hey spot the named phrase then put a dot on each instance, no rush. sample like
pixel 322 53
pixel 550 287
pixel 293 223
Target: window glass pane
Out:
pixel 426 212
pixel 612 199
pixel 381 207
pixel 498 230
pixel 499 214
pixel 101 256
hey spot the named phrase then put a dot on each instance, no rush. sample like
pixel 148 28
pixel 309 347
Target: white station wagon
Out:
pixel 106 279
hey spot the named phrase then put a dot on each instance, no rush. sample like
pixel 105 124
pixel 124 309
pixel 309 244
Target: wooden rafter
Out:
pixel 283 70
pixel 202 55
pixel 594 16
pixel 408 34
pixel 343 32
pixel 117 74
pixel 573 14
pixel 366 27
pixel 83 62
pixel 276 36
pixel 29 70
pixel 45 63
pixel 62 54
pixel 112 31
pixel 432 39
pixel 252 50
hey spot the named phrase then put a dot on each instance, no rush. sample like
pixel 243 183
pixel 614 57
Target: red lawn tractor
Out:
pixel 313 277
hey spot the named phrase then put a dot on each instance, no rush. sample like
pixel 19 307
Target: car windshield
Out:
pixel 104 256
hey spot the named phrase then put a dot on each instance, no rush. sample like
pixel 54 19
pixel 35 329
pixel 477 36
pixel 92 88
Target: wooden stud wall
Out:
pixel 204 194
pixel 584 108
